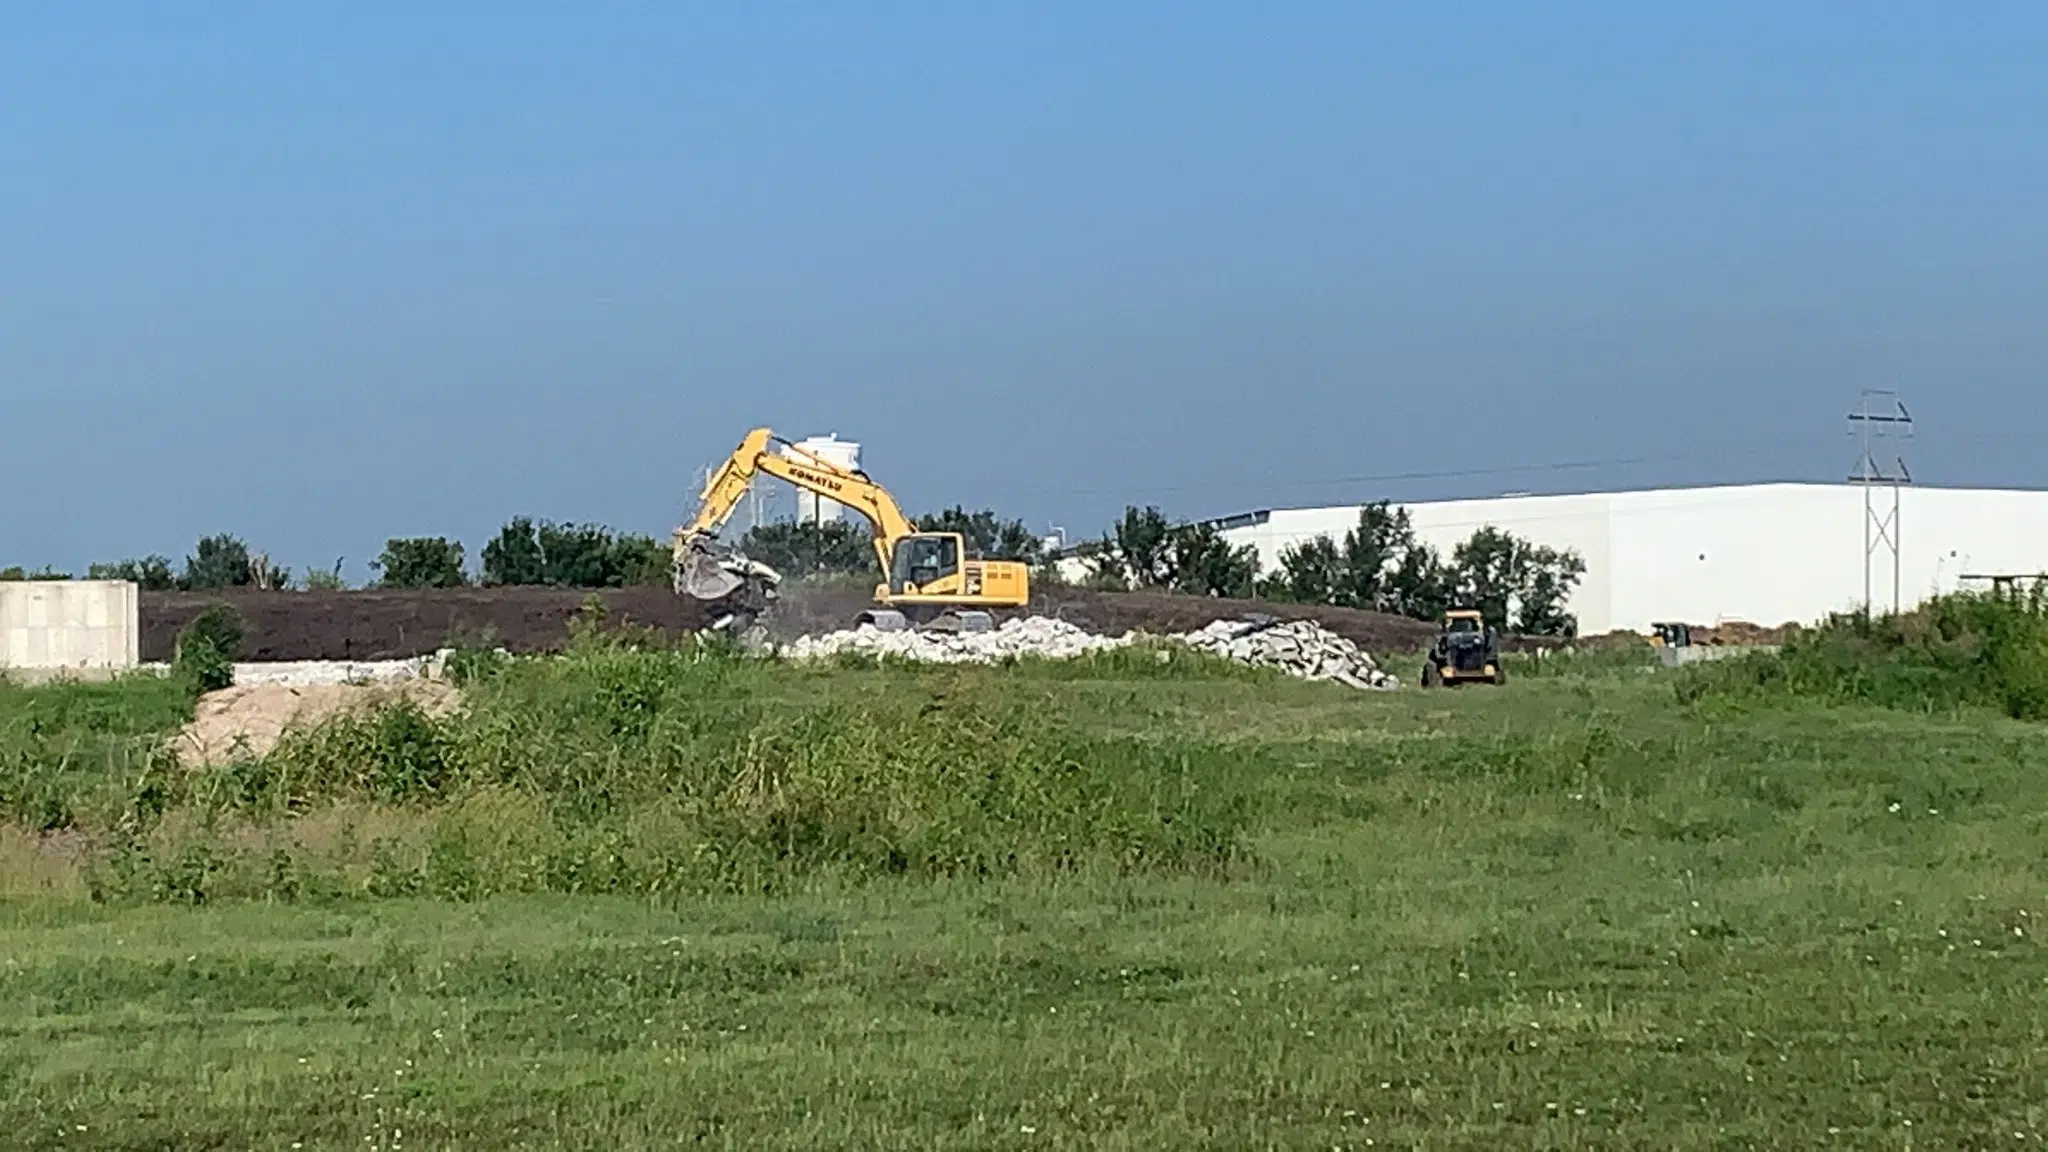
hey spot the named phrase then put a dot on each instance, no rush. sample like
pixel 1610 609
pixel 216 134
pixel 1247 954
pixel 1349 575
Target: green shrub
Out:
pixel 474 657
pixel 71 751
pixel 616 768
pixel 1963 650
pixel 208 648
pixel 629 763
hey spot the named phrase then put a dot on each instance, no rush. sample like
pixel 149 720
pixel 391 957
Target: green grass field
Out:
pixel 635 900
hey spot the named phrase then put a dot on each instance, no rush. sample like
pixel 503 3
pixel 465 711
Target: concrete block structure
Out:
pixel 1766 554
pixel 80 627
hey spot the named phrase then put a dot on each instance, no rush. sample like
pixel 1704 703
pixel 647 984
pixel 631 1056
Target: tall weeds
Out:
pixel 73 753
pixel 1965 650
pixel 629 768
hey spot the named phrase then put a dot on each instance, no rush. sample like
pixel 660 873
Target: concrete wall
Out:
pixel 1767 554
pixel 81 626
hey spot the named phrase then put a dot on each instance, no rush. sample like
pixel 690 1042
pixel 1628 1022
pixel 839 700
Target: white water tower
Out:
pixel 831 449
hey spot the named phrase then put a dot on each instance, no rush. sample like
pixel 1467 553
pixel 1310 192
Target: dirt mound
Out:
pixel 1742 632
pixel 1728 633
pixel 1619 638
pixel 400 624
pixel 249 719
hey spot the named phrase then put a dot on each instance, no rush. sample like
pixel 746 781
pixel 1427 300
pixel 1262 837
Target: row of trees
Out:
pixel 526 552
pixel 523 552
pixel 1379 564
pixel 222 561
pixel 837 547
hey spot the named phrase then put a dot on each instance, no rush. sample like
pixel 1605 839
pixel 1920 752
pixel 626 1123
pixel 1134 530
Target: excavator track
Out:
pixel 941 620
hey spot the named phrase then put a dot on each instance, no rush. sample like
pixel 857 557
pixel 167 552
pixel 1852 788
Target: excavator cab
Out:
pixel 932 584
pixel 935 584
pixel 923 560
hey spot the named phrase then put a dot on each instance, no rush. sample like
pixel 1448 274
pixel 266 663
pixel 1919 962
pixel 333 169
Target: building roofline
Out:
pixel 1240 520
pixel 1265 515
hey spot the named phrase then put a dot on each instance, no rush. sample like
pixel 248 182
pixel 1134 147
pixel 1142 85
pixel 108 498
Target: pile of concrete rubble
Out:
pixel 1022 636
pixel 1299 648
pixel 311 673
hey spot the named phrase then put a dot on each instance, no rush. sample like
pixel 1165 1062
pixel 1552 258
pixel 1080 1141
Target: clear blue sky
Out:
pixel 322 274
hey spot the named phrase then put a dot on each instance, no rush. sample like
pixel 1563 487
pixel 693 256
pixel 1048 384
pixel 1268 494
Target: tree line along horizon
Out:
pixel 1379 564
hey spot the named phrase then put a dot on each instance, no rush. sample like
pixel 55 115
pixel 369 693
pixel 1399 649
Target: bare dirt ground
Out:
pixel 396 625
pixel 249 719
pixel 1728 633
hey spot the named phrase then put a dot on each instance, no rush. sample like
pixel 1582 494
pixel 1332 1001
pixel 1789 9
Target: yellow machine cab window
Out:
pixel 921 559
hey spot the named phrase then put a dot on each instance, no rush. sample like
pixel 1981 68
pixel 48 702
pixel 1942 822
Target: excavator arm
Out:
pixel 923 573
pixel 812 473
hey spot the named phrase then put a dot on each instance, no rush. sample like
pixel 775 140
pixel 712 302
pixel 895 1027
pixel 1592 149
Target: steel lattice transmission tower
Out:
pixel 1880 419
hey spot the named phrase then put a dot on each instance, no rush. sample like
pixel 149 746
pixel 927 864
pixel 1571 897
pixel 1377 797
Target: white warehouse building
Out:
pixel 1767 554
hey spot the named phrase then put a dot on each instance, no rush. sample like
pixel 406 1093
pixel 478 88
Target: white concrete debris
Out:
pixel 301 673
pixel 1023 636
pixel 1299 648
pixel 343 671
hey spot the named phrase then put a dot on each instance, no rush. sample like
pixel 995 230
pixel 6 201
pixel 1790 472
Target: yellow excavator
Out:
pixel 929 580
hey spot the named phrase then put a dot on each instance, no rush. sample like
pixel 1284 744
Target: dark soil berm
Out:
pixel 380 624
pixel 397 624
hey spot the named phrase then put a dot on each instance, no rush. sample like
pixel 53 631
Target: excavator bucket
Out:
pixel 703 577
pixel 739 590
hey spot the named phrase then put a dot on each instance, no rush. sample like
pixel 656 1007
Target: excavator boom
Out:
pixel 808 471
pixel 921 570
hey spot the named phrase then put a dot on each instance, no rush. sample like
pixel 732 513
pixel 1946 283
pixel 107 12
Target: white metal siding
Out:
pixel 1767 554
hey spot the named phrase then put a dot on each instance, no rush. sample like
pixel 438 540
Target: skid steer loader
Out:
pixel 1466 650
